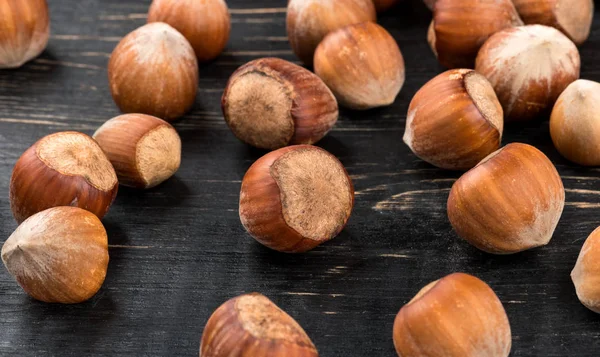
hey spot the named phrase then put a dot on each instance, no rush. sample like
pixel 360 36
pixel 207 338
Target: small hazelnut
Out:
pixel 295 198
pixel 144 150
pixel 586 273
pixel 454 120
pixel 362 65
pixel 383 5
pixel 252 325
pixel 309 21
pixel 58 255
pixel 511 201
pixel 575 123
pixel 571 17
pixel 62 169
pixel 456 316
pixel 153 70
pixel 270 103
pixel 528 66
pixel 205 24
pixel 24 31
pixel 460 27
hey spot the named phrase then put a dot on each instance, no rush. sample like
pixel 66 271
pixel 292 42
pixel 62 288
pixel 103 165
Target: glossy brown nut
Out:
pixel 251 325
pixel 309 21
pixel 456 316
pixel 270 103
pixel 154 71
pixel 586 274
pixel 511 201
pixel 58 255
pixel 295 198
pixel 460 27
pixel 383 5
pixel 62 169
pixel 205 24
pixel 528 66
pixel 454 120
pixel 144 150
pixel 362 65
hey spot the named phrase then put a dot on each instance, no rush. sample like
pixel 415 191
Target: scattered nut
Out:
pixel 362 65
pixel 383 5
pixel 511 201
pixel 454 120
pixel 62 169
pixel 144 150
pixel 586 273
pixel 296 198
pixel 58 255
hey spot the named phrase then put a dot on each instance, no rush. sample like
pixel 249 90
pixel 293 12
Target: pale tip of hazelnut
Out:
pixel 575 19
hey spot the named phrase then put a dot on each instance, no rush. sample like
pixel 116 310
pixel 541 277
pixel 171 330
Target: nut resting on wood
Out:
pixel 586 274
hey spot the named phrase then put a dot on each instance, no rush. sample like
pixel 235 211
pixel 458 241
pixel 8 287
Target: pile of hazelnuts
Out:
pixel 508 61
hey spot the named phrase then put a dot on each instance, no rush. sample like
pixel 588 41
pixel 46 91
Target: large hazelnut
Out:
pixel 62 169
pixel 454 120
pixel 58 255
pixel 144 150
pixel 456 316
pixel 205 24
pixel 270 103
pixel 309 21
pixel 572 17
pixel 362 65
pixel 383 5
pixel 586 274
pixel 511 201
pixel 296 198
pixel 460 27
pixel 153 70
pixel 24 31
pixel 575 123
pixel 528 66
pixel 252 325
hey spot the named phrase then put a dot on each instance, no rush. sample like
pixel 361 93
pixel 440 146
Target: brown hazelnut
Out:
pixel 511 201
pixel 205 24
pixel 270 103
pixel 460 27
pixel 24 31
pixel 252 325
pixel 575 123
pixel 144 150
pixel 454 120
pixel 362 65
pixel 295 198
pixel 528 66
pixel 456 316
pixel 62 169
pixel 586 273
pixel 58 255
pixel 309 21
pixel 383 5
pixel 153 70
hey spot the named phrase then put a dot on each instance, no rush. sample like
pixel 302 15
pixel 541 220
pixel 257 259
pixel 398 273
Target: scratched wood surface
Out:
pixel 179 251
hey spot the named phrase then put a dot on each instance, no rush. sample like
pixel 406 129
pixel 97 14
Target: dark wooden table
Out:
pixel 179 251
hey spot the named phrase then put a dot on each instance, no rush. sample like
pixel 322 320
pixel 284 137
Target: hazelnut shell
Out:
pixel 586 273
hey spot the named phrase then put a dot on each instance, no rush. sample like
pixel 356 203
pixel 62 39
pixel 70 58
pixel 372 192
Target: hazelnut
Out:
pixel 456 316
pixel 24 31
pixel 252 325
pixel 144 150
pixel 270 103
pixel 586 273
pixel 205 24
pixel 62 169
pixel 309 21
pixel 575 123
pixel 296 198
pixel 454 120
pixel 528 66
pixel 460 27
pixel 153 70
pixel 571 17
pixel 58 255
pixel 362 65
pixel 383 5
pixel 511 201
pixel 430 4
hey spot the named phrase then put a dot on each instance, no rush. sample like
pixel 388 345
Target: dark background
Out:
pixel 178 251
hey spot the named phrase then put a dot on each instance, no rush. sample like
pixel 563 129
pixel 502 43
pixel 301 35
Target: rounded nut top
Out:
pixel 586 274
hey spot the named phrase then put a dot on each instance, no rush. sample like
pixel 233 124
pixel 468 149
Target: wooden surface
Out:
pixel 179 251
